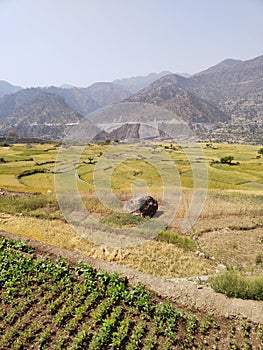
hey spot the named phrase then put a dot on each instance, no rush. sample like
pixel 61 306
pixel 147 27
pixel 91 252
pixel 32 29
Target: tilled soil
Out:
pixel 192 294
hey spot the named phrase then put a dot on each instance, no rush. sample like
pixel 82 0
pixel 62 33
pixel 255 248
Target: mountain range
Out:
pixel 7 88
pixel 221 103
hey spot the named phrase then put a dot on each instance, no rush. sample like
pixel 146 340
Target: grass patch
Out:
pixel 121 220
pixel 35 205
pixel 236 284
pixel 181 241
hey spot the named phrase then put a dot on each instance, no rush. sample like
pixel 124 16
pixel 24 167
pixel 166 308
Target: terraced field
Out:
pixel 231 210
pixel 48 303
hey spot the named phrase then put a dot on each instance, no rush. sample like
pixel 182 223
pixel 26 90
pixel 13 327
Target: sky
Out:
pixel 79 42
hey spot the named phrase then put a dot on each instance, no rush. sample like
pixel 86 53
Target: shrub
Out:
pixel 236 284
pixel 226 159
pixel 260 151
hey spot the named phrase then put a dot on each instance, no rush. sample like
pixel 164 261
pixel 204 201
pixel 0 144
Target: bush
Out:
pixel 236 284
pixel 226 159
pixel 260 151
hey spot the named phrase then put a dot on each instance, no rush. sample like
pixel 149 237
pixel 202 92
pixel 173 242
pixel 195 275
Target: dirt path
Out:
pixel 187 294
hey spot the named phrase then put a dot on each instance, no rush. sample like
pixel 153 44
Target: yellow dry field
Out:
pixel 226 224
pixel 157 258
pixel 40 182
pixel 11 183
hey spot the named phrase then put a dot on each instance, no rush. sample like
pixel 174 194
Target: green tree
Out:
pixel 260 151
pixel 226 159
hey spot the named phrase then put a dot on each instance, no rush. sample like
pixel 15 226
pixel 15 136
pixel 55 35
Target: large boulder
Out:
pixel 144 206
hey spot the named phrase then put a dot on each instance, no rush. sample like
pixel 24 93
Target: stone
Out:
pixel 144 206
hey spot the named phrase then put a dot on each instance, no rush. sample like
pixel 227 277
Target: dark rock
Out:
pixel 144 206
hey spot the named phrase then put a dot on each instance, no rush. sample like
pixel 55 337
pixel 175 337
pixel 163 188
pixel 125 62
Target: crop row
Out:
pixel 53 305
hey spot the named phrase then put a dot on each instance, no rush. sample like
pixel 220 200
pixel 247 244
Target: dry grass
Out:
pixel 46 181
pixel 10 182
pixel 229 207
pixel 157 258
pixel 222 209
pixel 239 248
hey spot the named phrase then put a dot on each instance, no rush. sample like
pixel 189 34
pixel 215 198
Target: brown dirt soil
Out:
pixel 193 296
pixel 235 247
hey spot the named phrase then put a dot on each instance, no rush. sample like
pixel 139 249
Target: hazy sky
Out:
pixel 78 42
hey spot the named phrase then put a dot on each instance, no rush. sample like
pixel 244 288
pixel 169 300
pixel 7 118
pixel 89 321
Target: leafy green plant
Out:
pixel 191 328
pixel 51 304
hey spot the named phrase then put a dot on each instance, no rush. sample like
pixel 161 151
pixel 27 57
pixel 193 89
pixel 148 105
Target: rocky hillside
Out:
pixel 169 92
pixel 33 113
pixel 87 100
pixel 222 103
pixel 236 87
pixel 228 96
pixel 7 88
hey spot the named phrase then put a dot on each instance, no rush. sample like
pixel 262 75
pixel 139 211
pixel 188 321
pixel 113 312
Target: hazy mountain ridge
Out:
pixel 230 85
pixel 169 92
pixel 222 102
pixel 134 84
pixel 95 96
pixel 237 89
pixel 7 88
pixel 32 112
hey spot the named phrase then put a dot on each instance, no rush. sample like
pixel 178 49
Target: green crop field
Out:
pixel 52 304
pixel 232 209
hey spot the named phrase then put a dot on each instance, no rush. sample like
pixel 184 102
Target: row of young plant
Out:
pixel 54 305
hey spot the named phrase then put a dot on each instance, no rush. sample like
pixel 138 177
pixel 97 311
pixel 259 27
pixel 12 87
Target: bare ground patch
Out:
pixel 240 248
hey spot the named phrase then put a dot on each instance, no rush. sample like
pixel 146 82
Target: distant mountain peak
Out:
pixel 66 86
pixel 7 88
pixel 170 92
pixel 134 84
pixel 220 67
